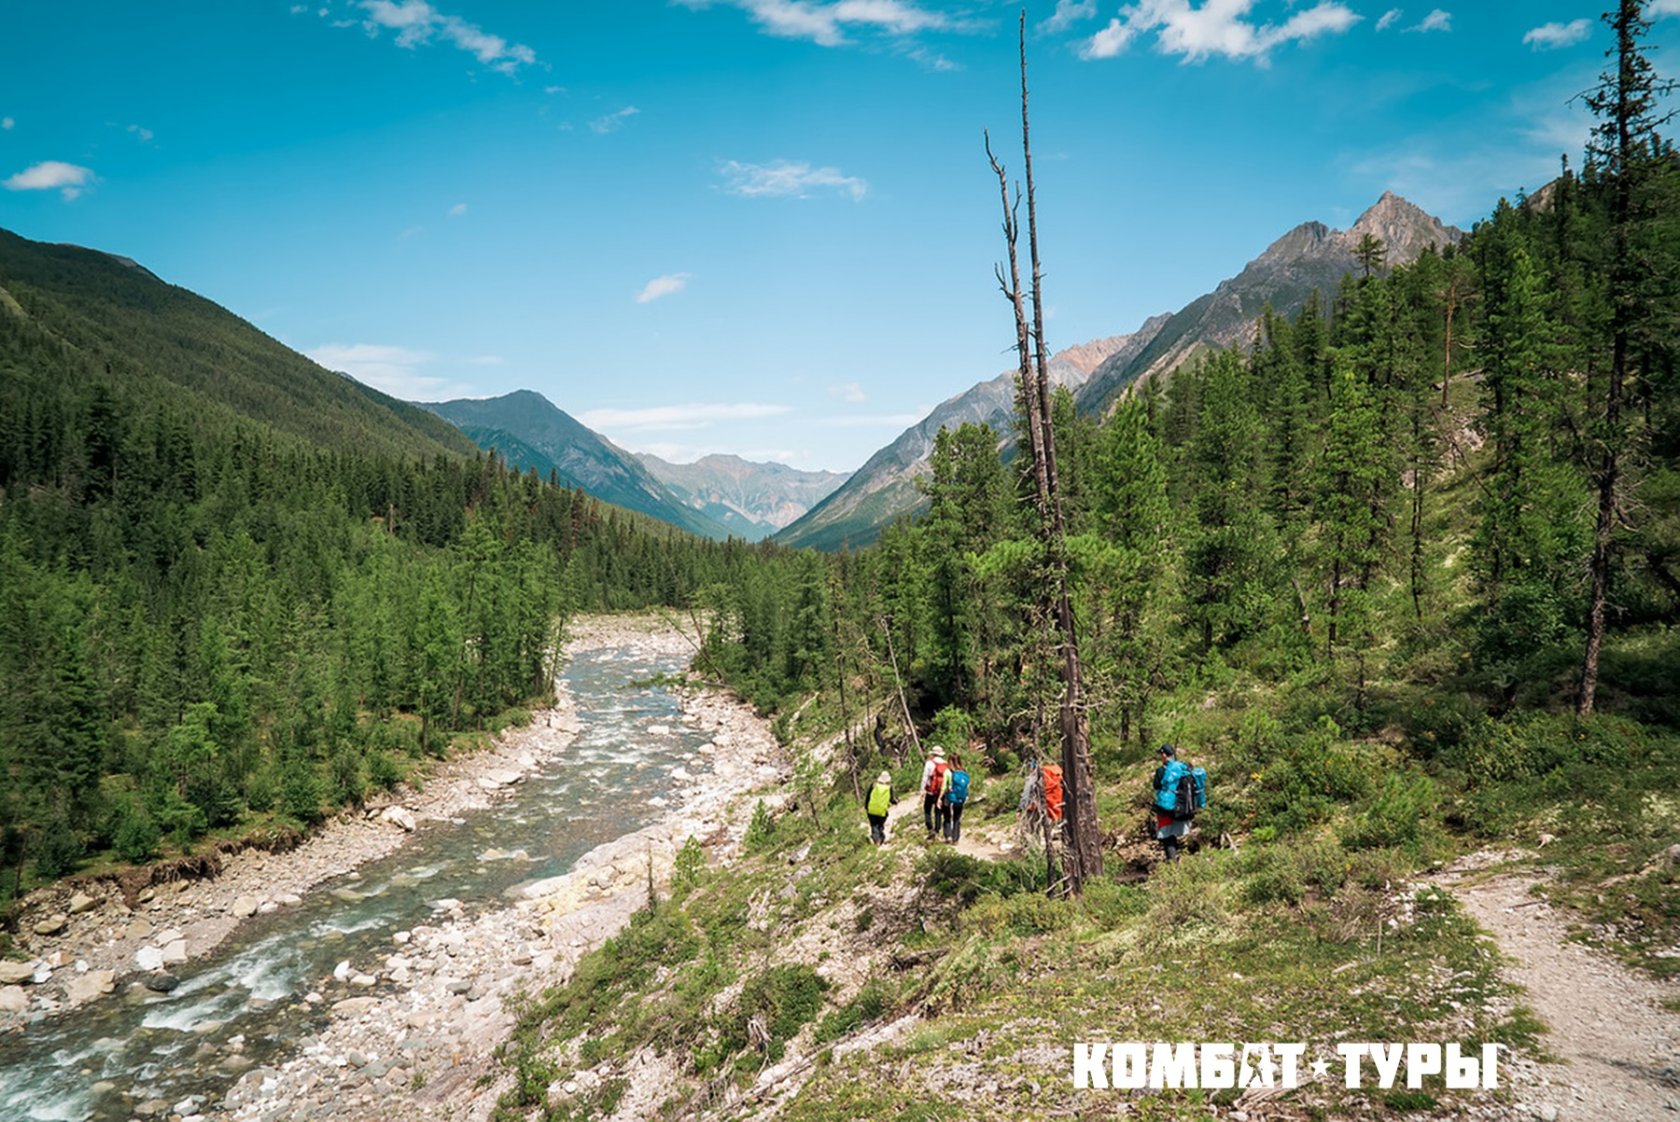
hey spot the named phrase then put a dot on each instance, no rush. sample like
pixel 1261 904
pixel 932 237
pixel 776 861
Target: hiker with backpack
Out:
pixel 877 806
pixel 954 798
pixel 1180 791
pixel 933 785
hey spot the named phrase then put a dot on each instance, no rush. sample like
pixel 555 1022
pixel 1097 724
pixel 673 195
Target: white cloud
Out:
pixel 667 285
pixel 68 179
pixel 1437 20
pixel 554 90
pixel 143 134
pixel 395 370
pixel 784 178
pixel 1551 36
pixel 676 418
pixel 457 210
pixel 1661 8
pixel 416 22
pixel 850 392
pixel 613 121
pixel 1218 27
pixel 1067 13
pixel 1389 19
pixel 826 24
pixel 6 122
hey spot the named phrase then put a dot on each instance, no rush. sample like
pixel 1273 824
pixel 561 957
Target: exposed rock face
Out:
pixel 884 488
pixel 1310 257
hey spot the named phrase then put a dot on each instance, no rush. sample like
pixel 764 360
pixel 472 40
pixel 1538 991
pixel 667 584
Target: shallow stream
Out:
pixel 98 1062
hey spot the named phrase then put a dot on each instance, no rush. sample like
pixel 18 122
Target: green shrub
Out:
pixel 1403 814
pixel 382 770
pixel 262 791
pixel 787 997
pixel 686 868
pixel 869 1005
pixel 1273 876
pixel 1110 904
pixel 137 836
pixel 761 831
pixel 300 791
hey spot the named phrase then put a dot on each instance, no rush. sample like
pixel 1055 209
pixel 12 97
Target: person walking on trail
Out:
pixel 933 785
pixel 1170 827
pixel 954 797
pixel 880 801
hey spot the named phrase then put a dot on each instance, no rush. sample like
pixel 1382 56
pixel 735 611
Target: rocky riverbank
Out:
pixel 415 1038
pixel 82 941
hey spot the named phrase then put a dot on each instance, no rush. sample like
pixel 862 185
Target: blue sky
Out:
pixel 756 226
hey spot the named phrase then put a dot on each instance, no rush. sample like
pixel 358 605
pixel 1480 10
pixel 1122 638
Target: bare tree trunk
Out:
pixel 1084 859
pixel 845 713
pixel 903 705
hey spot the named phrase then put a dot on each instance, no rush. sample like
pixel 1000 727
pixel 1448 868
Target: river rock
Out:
pixel 151 1108
pixel 86 987
pixel 245 906
pixel 341 972
pixel 53 925
pixel 363 981
pixel 289 899
pixel 148 958
pixel 16 973
pixel 169 935
pixel 354 1006
pixel 81 902
pixel 175 952
pixel 398 816
pixel 140 929
pixel 13 999
pixel 162 982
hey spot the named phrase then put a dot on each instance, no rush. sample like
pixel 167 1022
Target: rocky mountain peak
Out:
pixel 1405 228
pixel 1306 240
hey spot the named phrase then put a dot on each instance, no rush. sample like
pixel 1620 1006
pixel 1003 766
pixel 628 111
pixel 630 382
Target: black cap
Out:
pixel 1168 750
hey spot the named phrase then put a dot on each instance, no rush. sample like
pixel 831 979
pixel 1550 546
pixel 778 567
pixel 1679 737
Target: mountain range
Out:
pixel 1310 258
pixel 751 500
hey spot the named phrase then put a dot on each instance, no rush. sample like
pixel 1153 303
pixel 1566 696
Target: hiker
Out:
pixel 1174 802
pixel 954 798
pixel 880 801
pixel 933 784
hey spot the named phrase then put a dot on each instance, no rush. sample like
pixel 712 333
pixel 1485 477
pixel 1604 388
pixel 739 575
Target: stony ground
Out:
pixel 1615 1031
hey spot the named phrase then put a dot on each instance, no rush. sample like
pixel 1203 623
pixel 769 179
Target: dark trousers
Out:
pixel 929 804
pixel 878 828
pixel 951 818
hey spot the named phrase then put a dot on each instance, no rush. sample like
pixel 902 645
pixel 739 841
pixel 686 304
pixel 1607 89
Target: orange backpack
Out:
pixel 1052 790
pixel 936 781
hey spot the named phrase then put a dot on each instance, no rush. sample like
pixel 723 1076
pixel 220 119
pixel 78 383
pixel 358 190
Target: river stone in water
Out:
pixel 162 982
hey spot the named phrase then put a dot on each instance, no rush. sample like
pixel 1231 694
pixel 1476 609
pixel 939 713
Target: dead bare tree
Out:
pixel 1084 858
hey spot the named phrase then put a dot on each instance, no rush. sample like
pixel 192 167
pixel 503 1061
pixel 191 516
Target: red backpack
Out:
pixel 937 779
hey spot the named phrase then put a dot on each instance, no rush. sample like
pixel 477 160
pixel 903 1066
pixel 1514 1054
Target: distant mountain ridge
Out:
pixel 884 488
pixel 530 431
pixel 1310 257
pixel 752 500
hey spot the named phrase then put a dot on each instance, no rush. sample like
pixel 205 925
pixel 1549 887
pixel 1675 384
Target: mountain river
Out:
pixel 99 1061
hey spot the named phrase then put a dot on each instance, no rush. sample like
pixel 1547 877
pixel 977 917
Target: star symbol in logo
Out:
pixel 1321 1068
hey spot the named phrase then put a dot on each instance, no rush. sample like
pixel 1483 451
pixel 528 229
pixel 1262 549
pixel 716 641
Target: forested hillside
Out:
pixel 237 589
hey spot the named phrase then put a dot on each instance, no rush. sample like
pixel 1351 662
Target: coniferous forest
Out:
pixel 1438 510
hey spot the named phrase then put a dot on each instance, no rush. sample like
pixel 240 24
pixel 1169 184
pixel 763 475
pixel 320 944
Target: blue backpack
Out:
pixel 958 794
pixel 1166 792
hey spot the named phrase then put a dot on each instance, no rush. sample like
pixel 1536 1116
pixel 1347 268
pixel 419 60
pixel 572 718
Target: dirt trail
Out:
pixel 1619 1046
pixel 904 821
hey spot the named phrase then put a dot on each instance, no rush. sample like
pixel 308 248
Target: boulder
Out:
pixel 175 953
pixel 162 982
pixel 53 925
pixel 398 816
pixel 82 902
pixel 148 958
pixel 140 929
pixel 86 987
pixel 16 973
pixel 13 999
pixel 245 906
pixel 354 1006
